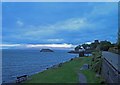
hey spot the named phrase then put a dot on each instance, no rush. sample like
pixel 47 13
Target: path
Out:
pixel 82 78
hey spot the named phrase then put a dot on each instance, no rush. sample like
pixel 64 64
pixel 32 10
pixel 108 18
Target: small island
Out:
pixel 46 50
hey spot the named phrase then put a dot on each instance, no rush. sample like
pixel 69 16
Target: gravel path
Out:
pixel 82 78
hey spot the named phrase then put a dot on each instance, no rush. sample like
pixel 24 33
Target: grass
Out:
pixel 91 76
pixel 67 73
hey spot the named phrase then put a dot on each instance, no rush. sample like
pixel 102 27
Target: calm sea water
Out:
pixel 20 62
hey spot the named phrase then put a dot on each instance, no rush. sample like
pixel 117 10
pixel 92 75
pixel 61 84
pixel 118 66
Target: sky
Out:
pixel 57 24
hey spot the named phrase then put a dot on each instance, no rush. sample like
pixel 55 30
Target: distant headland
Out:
pixel 46 50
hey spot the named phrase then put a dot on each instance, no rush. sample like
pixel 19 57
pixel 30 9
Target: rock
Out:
pixel 60 65
pixel 46 50
pixel 97 75
pixel 84 67
pixel 55 66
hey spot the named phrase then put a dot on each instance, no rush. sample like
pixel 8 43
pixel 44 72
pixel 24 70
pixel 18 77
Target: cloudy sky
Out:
pixel 59 24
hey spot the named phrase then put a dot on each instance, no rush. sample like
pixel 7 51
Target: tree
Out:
pixel 81 53
pixel 96 63
pixel 105 45
pixel 94 44
pixel 85 46
pixel 78 47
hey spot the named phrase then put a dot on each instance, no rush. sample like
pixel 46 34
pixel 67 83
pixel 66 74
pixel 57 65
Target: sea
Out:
pixel 28 62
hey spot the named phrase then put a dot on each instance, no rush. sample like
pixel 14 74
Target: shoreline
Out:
pixel 66 72
pixel 49 67
pixel 53 66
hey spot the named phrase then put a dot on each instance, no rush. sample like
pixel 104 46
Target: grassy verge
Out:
pixel 91 76
pixel 67 73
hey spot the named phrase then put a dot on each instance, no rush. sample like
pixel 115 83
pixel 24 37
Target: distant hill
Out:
pixel 46 50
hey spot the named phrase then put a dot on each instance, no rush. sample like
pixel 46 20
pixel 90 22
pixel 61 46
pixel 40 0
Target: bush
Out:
pixel 96 61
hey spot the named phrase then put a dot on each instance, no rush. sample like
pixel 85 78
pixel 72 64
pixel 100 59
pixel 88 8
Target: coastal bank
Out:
pixel 66 73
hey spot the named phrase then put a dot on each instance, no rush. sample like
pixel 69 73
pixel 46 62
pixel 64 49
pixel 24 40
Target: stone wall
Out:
pixel 110 74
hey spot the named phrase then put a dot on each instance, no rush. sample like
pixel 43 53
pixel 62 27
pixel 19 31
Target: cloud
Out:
pixel 96 23
pixel 90 21
pixel 69 25
pixel 19 23
pixel 51 45
pixel 110 7
pixel 51 32
pixel 88 42
pixel 10 45
pixel 54 40
pixel 64 45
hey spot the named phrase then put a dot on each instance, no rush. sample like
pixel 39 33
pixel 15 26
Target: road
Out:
pixel 112 58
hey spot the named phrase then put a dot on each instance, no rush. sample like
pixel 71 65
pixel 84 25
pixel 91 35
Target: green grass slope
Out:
pixel 67 73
